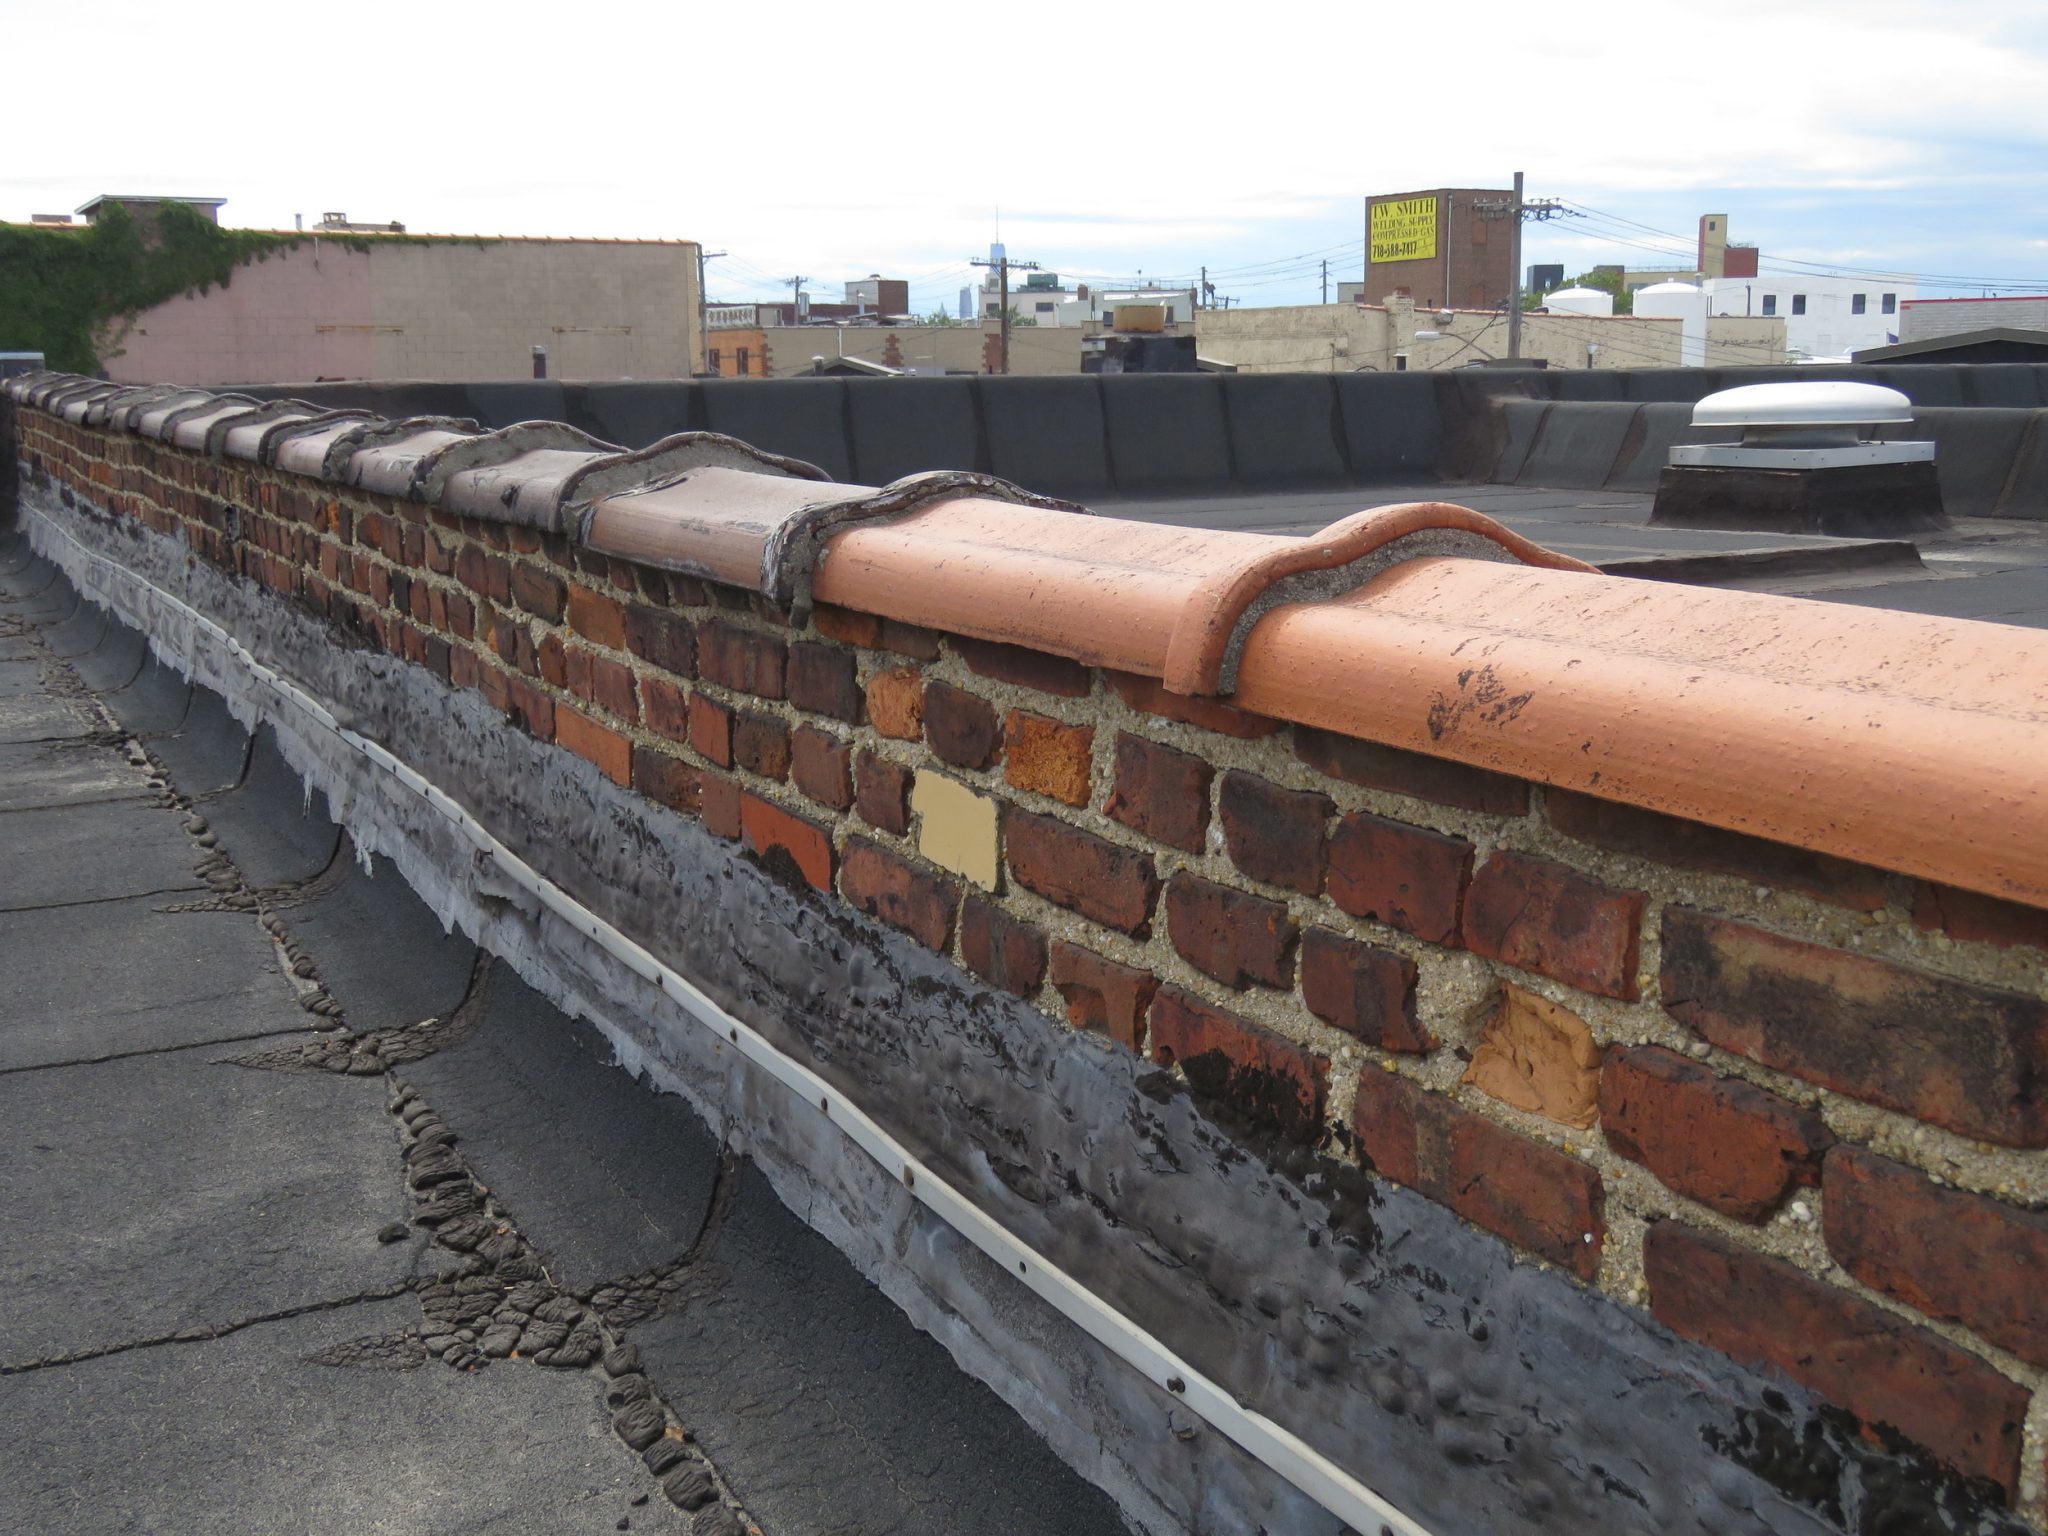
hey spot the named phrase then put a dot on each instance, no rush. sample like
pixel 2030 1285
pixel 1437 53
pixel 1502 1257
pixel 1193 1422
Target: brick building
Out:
pixel 1451 247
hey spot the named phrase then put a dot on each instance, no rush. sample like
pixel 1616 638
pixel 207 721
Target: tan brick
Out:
pixel 956 827
pixel 1539 1057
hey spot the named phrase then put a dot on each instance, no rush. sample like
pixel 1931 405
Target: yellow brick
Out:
pixel 956 827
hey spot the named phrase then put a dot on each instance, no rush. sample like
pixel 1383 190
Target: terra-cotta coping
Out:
pixel 1898 740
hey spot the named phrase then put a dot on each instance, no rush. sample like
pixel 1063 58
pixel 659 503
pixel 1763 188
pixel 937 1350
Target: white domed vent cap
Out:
pixel 1820 404
pixel 1802 426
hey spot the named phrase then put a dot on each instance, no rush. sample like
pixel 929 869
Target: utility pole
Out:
pixel 1326 279
pixel 701 363
pixel 796 299
pixel 1519 211
pixel 1002 265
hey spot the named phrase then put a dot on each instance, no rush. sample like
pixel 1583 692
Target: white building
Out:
pixel 1826 318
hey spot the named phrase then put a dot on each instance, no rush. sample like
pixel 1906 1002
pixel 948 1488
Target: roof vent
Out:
pixel 1802 426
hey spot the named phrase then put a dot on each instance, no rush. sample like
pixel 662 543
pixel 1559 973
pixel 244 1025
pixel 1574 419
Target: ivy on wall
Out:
pixel 65 289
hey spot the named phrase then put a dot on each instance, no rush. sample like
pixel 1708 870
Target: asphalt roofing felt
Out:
pixel 275 1141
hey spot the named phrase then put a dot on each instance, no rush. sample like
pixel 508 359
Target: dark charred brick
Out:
pixel 1102 995
pixel 1694 845
pixel 760 744
pixel 1363 990
pixel 1023 667
pixel 1149 696
pixel 1726 1143
pixel 1161 792
pixel 822 679
pixel 1979 919
pixel 1547 917
pixel 1410 773
pixel 539 591
pixel 744 660
pixel 1406 877
pixel 821 765
pixel 961 728
pixel 720 804
pixel 1533 1195
pixel 1886 1371
pixel 662 638
pixel 1263 1080
pixel 1274 834
pixel 1234 937
pixel 669 780
pixel 882 793
pixel 1962 1257
pixel 1966 1057
pixel 485 574
pixel 900 893
pixel 1105 883
pixel 1002 950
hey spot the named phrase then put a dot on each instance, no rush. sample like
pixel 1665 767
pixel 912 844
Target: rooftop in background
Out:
pixel 90 212
pixel 1993 344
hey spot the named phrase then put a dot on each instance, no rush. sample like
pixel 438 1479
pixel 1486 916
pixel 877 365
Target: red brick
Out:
pixel 1694 845
pixel 597 618
pixel 895 700
pixel 909 640
pixel 1959 1055
pixel 1161 792
pixel 1532 1194
pixel 1023 667
pixel 1979 919
pixel 599 744
pixel 720 802
pixel 440 554
pixel 539 591
pixel 1274 834
pixel 1265 1081
pixel 552 657
pixel 1362 990
pixel 1410 773
pixel 663 638
pixel 1883 1369
pixel 821 765
pixel 1404 876
pixel 1959 1256
pixel 771 831
pixel 530 709
pixel 669 780
pixel 883 793
pixel 741 659
pixel 822 680
pixel 668 708
pixel 606 683
pixel 485 574
pixel 847 625
pixel 1049 757
pixel 1234 937
pixel 961 728
pixel 1002 950
pixel 463 668
pixel 1726 1143
pixel 711 729
pixel 1114 886
pixel 1149 696
pixel 1548 918
pixel 461 617
pixel 513 643
pixel 1102 995
pixel 760 744
pixel 886 885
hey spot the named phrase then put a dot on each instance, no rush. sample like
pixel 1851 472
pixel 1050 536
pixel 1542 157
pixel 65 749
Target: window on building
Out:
pixel 1109 317
pixel 993 311
pixel 1859 303
pixel 1798 303
pixel 712 358
pixel 1770 303
pixel 740 354
pixel 1042 307
pixel 1891 303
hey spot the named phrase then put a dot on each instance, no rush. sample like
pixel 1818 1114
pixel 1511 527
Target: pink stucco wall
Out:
pixel 304 314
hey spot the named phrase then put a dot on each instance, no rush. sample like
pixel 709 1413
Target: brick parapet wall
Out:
pixel 1792 1105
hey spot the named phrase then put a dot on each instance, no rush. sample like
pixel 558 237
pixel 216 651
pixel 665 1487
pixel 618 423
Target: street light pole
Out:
pixel 700 360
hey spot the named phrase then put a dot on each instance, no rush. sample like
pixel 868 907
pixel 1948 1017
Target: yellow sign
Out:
pixel 1404 229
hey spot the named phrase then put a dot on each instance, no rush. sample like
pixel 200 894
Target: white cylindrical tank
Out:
pixel 1688 306
pixel 1579 301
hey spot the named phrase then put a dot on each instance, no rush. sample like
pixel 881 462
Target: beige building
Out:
pixel 1343 338
pixel 366 306
pixel 922 348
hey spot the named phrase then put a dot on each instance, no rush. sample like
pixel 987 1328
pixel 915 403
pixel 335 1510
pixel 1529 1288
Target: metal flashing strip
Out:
pixel 1314 1474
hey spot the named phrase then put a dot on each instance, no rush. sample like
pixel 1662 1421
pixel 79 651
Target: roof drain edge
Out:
pixel 1277 1448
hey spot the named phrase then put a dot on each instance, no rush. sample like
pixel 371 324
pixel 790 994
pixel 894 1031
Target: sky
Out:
pixel 1109 143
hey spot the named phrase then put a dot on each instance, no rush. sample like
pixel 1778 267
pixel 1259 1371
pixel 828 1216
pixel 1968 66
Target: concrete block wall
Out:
pixel 1735 1093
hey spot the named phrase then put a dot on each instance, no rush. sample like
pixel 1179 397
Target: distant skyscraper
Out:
pixel 966 303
